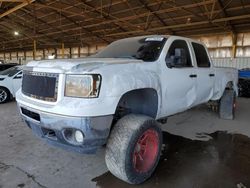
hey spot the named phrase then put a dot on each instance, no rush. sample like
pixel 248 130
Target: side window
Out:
pixel 201 55
pixel 178 55
pixel 19 75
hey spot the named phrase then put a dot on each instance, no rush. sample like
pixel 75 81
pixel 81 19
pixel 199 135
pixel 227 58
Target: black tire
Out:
pixel 4 95
pixel 227 105
pixel 123 143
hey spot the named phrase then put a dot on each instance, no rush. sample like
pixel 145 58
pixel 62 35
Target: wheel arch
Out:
pixel 139 101
pixel 222 86
pixel 231 86
pixel 6 89
pixel 11 96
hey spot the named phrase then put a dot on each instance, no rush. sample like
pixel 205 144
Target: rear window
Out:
pixel 201 55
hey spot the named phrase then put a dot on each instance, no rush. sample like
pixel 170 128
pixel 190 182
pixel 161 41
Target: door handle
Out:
pixel 193 75
pixel 211 75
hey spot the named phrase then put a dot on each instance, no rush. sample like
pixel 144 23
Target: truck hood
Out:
pixel 74 65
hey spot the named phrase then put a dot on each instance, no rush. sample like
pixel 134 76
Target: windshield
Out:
pixel 10 72
pixel 144 48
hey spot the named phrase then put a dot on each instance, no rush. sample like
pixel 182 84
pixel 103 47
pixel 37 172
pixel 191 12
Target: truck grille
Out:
pixel 42 86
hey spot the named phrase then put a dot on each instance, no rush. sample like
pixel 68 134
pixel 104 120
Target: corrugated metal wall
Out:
pixel 239 63
pixel 219 46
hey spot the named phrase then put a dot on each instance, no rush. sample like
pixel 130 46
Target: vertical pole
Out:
pixel 62 50
pixel 79 51
pixel 10 56
pixel 234 42
pixel 70 52
pixel 4 57
pixel 17 58
pixel 43 54
pixel 55 53
pixel 24 53
pixel 34 49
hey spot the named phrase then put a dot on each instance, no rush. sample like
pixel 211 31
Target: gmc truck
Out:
pixel 120 97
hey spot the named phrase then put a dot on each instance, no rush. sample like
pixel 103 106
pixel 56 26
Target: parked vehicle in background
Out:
pixel 10 82
pixel 119 96
pixel 6 66
pixel 244 82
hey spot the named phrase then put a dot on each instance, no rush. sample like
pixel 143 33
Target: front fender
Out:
pixel 120 84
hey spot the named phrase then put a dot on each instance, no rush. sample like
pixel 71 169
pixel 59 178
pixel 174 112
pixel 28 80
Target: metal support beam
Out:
pixel 34 49
pixel 79 51
pixel 70 52
pixel 43 53
pixel 224 12
pixel 62 50
pixel 12 1
pixel 234 44
pixel 16 8
pixel 55 53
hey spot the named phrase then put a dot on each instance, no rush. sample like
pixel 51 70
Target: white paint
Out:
pixel 176 90
pixel 13 85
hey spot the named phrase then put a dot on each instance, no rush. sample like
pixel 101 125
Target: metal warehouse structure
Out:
pixel 32 29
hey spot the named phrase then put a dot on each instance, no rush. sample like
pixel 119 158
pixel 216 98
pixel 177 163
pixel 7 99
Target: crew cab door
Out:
pixel 205 73
pixel 178 78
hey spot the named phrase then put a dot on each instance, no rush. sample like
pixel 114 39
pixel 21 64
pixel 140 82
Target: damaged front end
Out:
pixel 54 106
pixel 80 134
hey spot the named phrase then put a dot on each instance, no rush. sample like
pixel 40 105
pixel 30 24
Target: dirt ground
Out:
pixel 201 150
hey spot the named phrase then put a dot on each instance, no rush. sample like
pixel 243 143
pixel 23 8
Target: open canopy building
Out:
pixel 32 29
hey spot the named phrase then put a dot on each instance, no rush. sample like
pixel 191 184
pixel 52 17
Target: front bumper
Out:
pixel 52 128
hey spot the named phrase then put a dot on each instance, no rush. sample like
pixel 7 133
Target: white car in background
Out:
pixel 10 83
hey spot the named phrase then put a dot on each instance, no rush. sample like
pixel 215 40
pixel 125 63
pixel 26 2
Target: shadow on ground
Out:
pixel 223 161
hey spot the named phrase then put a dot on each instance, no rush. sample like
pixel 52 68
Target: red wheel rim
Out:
pixel 146 151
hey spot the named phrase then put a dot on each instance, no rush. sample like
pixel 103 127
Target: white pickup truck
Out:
pixel 120 96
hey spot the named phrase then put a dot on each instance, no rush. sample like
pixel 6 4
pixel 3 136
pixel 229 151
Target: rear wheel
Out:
pixel 133 149
pixel 4 95
pixel 227 105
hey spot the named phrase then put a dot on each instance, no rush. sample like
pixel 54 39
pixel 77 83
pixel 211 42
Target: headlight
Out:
pixel 86 86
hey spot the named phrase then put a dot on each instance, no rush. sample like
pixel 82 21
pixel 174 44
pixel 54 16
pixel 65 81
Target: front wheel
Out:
pixel 133 149
pixel 4 95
